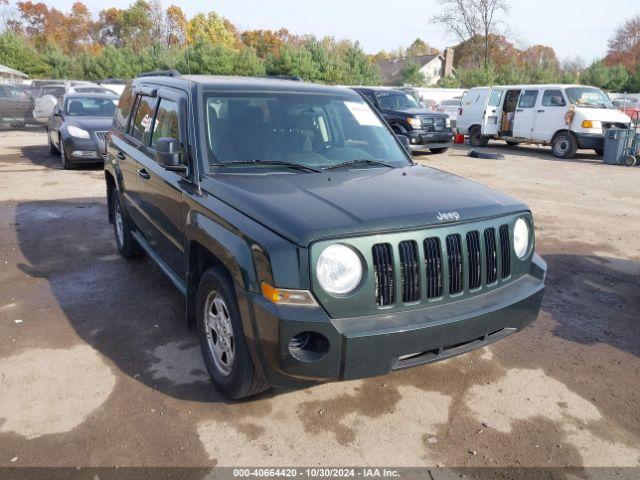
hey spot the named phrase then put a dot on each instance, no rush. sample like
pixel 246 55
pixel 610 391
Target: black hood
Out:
pixel 308 207
pixel 90 124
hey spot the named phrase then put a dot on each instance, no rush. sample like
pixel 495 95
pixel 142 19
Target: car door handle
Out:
pixel 144 174
pixel 519 110
pixel 121 156
pixel 541 111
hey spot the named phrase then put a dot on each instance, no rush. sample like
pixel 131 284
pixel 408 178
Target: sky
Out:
pixel 574 28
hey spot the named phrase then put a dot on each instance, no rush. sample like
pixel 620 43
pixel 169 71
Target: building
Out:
pixel 10 75
pixel 433 67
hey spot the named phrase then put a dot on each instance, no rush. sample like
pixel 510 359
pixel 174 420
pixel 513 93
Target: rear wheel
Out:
pixel 564 145
pixel 438 150
pixel 222 340
pixel 127 245
pixel 476 139
pixel 629 161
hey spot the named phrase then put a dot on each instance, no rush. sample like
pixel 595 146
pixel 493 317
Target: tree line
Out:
pixel 46 42
pixel 121 43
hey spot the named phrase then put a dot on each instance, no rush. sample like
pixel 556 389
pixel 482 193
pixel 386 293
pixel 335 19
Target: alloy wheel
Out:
pixel 219 331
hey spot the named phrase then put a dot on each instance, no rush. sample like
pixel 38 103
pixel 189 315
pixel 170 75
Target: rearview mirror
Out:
pixel 168 154
pixel 404 140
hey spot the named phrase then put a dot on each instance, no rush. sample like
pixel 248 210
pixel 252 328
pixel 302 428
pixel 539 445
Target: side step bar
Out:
pixel 180 285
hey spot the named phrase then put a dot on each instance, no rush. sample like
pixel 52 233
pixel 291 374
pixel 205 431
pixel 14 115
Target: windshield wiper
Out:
pixel 358 161
pixel 267 162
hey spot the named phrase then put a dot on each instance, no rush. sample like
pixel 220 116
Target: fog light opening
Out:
pixel 308 346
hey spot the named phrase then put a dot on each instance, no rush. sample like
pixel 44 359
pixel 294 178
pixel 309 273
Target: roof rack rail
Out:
pixel 160 73
pixel 293 78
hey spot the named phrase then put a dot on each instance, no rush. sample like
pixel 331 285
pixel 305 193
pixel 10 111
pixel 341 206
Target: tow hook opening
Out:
pixel 308 346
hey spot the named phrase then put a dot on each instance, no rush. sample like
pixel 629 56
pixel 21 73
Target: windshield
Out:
pixel 394 100
pixel 316 131
pixel 91 107
pixel 588 97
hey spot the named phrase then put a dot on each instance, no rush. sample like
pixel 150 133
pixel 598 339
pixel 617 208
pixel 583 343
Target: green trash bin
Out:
pixel 616 145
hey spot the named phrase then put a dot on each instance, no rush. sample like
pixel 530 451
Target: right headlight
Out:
pixel 521 238
pixel 415 122
pixel 77 132
pixel 339 269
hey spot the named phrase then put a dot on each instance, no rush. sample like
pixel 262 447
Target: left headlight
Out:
pixel 521 238
pixel 339 269
pixel 415 122
pixel 77 132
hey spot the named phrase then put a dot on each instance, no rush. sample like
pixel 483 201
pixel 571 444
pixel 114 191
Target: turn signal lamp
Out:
pixel 283 296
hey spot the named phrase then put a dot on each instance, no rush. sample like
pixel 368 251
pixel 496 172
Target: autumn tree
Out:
pixel 211 28
pixel 624 47
pixel 176 26
pixel 479 22
pixel 420 47
pixel 265 42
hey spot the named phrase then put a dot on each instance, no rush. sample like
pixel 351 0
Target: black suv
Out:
pixel 308 245
pixel 426 129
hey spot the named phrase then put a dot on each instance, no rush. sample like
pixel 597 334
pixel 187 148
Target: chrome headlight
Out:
pixel 77 132
pixel 521 238
pixel 339 269
pixel 415 122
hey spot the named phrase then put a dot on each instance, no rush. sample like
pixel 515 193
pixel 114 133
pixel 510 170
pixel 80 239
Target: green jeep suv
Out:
pixel 308 245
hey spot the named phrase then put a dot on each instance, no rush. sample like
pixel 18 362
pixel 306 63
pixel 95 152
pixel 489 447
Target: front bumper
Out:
pixel 423 140
pixel 592 141
pixel 84 150
pixel 367 346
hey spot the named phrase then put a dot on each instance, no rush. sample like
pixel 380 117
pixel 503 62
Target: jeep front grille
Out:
pixel 458 262
pixel 431 124
pixel 491 255
pixel 475 270
pixel 433 264
pixel 409 271
pixel 384 274
pixel 505 249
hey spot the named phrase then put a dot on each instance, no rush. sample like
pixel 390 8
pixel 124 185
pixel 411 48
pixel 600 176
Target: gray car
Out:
pixel 78 127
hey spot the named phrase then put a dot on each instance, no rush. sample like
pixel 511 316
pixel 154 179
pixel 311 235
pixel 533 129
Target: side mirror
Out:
pixel 404 140
pixel 168 154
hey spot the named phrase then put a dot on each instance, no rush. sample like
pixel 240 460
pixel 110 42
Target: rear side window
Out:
pixel 553 98
pixel 166 124
pixel 528 99
pixel 496 98
pixel 141 125
pixel 125 105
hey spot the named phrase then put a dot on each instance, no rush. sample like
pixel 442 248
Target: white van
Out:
pixel 567 117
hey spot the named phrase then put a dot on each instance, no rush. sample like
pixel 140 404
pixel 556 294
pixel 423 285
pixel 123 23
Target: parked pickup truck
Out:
pixel 426 129
pixel 308 245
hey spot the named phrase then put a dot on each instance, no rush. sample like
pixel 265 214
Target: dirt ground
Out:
pixel 97 368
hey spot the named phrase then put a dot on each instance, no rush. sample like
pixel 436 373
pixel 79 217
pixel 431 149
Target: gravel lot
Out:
pixel 97 368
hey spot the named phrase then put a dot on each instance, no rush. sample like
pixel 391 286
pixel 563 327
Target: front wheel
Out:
pixel 66 163
pixel 476 139
pixel 564 145
pixel 222 341
pixel 53 150
pixel 438 150
pixel 127 245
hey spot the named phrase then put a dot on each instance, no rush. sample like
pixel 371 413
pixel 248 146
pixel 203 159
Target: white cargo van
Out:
pixel 567 117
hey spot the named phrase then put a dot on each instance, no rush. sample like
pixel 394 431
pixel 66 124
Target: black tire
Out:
pixel 438 150
pixel 476 139
pixel 66 163
pixel 53 150
pixel 241 379
pixel 629 161
pixel 122 228
pixel 564 145
pixel 512 144
pixel 599 152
